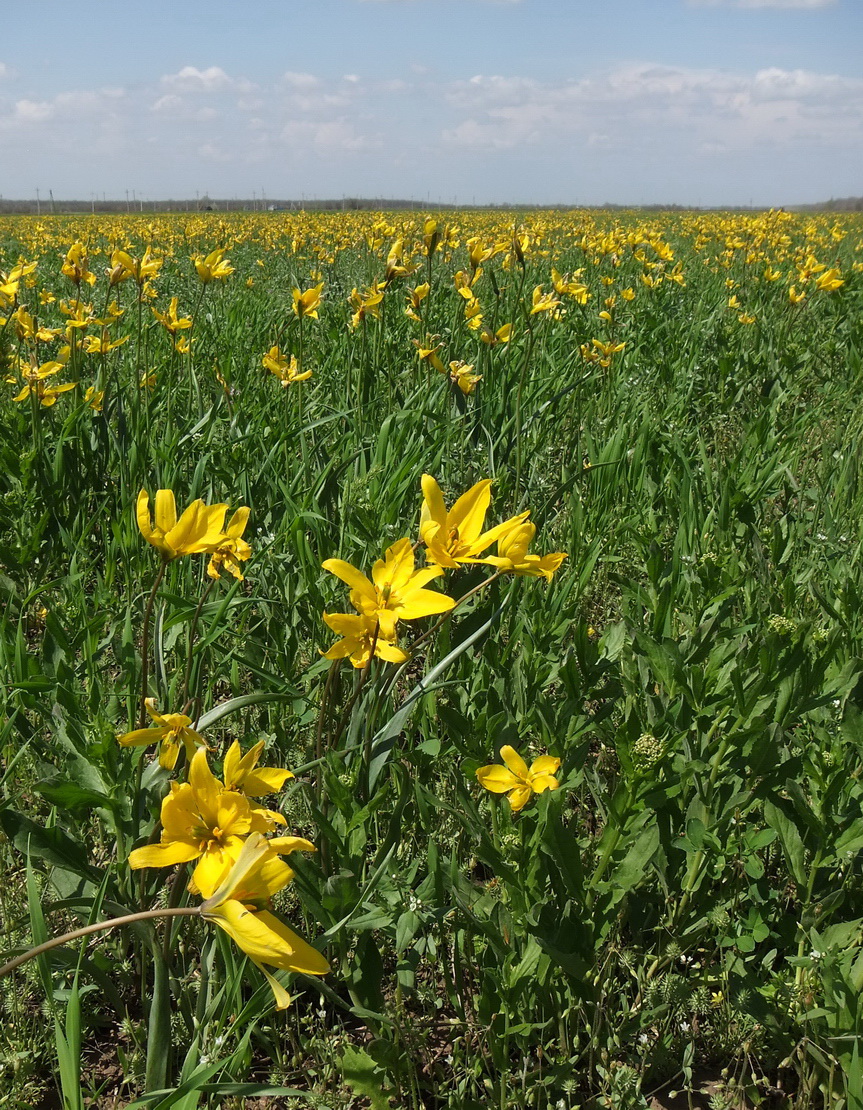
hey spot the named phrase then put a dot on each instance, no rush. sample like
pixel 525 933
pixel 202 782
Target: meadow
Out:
pixel 405 797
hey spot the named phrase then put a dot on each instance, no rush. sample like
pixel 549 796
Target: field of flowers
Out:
pixel 432 660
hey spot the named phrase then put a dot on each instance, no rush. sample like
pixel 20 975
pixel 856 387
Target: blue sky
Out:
pixel 545 101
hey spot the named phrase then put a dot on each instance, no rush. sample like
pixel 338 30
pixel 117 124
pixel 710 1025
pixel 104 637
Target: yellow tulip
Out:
pixel 395 591
pixel 170 729
pixel 456 536
pixel 361 636
pixel 513 557
pixel 237 907
pixel 516 780
pixel 198 530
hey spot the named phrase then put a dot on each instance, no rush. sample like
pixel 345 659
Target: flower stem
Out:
pixel 97 927
pixel 193 628
pixel 145 647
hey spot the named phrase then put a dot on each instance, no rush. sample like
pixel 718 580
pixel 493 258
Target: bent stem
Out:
pixel 465 597
pixel 97 927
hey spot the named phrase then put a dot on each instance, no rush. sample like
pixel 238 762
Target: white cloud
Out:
pixel 399 134
pixel 640 103
pixel 300 80
pixel 33 111
pixel 193 80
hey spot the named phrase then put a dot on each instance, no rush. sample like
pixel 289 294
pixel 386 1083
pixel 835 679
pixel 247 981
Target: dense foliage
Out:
pixel 676 400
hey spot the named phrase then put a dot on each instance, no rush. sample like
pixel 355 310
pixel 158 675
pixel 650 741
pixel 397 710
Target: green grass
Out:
pixel 687 905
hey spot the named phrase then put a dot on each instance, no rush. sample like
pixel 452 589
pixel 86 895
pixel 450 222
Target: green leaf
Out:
pixel 362 1075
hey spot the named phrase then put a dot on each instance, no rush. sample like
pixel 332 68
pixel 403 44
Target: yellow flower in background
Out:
pixel 518 781
pixel 198 530
pixel 367 303
pixel 415 299
pixel 430 354
pixel 170 320
pixel 34 382
pixel 124 266
pixel 77 267
pixel 492 338
pixel 232 548
pixel 361 635
pixel 215 267
pixel 242 773
pixel 456 536
pixel 431 236
pixel 308 303
pixel 462 375
pixel 27 329
pixel 796 297
pixel 829 281
pixel 569 287
pixel 396 265
pixel 544 302
pixel 171 730
pixel 513 558
pixel 94 398
pixel 238 906
pixel 395 591
pixel 286 369
pixel 102 344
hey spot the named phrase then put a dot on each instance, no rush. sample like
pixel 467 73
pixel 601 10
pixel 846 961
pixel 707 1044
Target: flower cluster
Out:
pixel 217 825
pixel 199 530
pixel 396 590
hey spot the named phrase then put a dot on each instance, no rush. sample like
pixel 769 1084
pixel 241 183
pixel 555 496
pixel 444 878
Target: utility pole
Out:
pixel 38 204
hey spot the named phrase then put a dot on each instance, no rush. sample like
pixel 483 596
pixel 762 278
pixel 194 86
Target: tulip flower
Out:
pixel 395 591
pixel 361 636
pixel 232 548
pixel 34 382
pixel 516 780
pixel 513 558
pixel 242 773
pixel 215 267
pixel 456 536
pixel 238 907
pixel 198 530
pixel 170 729
pixel 202 821
pixel 308 303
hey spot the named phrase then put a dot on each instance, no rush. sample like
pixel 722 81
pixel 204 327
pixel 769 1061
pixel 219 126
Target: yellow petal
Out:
pixel 424 603
pixel 468 513
pixel 266 940
pixel 545 765
pixel 514 761
pixel 142 513
pixel 141 736
pixel 433 509
pixel 265 780
pixel 351 577
pixel 164 855
pixel 519 798
pixel 166 510
pixel 497 779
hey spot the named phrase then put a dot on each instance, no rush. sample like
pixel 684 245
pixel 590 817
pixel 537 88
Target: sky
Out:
pixel 568 102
